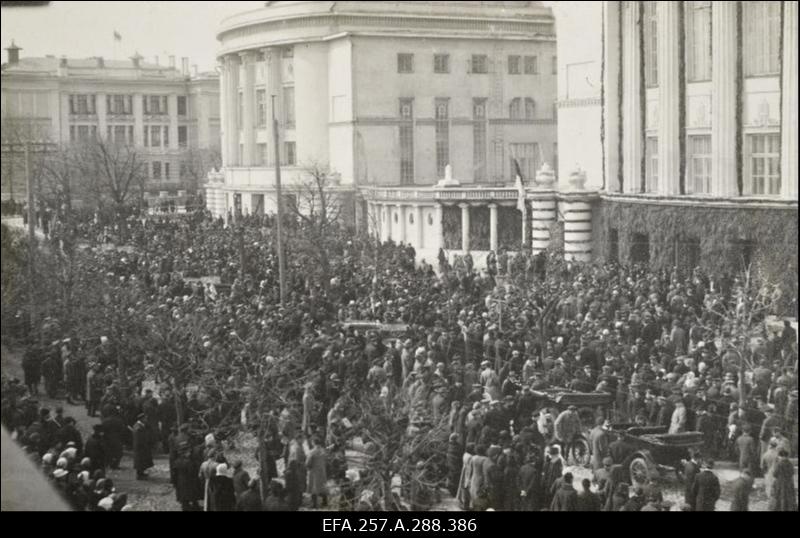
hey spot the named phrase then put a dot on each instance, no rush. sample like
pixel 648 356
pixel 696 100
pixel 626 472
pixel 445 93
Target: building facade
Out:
pixel 687 131
pixel 168 112
pixel 388 96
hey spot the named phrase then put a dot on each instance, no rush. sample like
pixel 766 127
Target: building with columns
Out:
pixel 169 111
pixel 389 96
pixel 683 116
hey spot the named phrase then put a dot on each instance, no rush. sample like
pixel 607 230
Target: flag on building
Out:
pixel 520 185
pixel 117 36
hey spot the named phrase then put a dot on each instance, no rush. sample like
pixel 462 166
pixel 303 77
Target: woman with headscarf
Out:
pixel 221 489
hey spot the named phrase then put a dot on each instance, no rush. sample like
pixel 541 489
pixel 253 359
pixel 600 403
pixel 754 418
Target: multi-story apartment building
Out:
pixel 166 111
pixel 389 94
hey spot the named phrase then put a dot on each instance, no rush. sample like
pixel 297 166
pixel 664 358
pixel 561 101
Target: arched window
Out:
pixel 515 109
pixel 530 108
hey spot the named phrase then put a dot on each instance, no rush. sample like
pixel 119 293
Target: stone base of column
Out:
pixel 577 230
pixel 543 215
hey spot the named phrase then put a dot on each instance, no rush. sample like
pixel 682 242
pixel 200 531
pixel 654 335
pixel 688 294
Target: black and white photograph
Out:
pixel 397 264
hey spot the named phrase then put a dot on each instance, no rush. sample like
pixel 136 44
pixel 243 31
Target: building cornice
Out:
pixel 738 202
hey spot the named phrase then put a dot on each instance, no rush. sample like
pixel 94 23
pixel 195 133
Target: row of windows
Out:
pixel 123 104
pixel 762 164
pixel 478 64
pixel 519 108
pixel 262 108
pixel 153 136
pixel 263 157
pixel 761 26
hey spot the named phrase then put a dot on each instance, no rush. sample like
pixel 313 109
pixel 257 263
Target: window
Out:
pixel 442 108
pixel 530 108
pixel 699 168
pixel 514 65
pixel 82 133
pixel 479 139
pixel 156 170
pixel 531 65
pixel 261 108
pixel 640 248
pixel 119 105
pixel 405 63
pixel 82 104
pixel 291 153
pixel 515 109
pixel 762 34
pixel 554 65
pixel 184 170
pixel 527 157
pixel 261 155
pixel 166 137
pixel 651 156
pixel 650 44
pixel 166 171
pixel 613 245
pixel 698 41
pixel 119 134
pixel 155 136
pixel 146 132
pixel 764 164
pixel 183 136
pixel 441 63
pixel 407 141
pixel 498 160
pixel 288 106
pixel 155 105
pixel 182 105
pixel 479 64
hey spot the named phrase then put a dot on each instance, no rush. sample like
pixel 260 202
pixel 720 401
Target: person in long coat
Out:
pixel 706 489
pixel 466 477
pixel 241 479
pixel 599 441
pixel 565 498
pixel 529 484
pixel 783 497
pixel 142 448
pixel 187 485
pixel 95 450
pixel 690 469
pixel 295 485
pixel 316 465
pixel 454 462
pixel 250 500
pixel 742 487
pixel 553 469
pixel 222 489
pixel 478 484
pixel 114 431
pixel 748 451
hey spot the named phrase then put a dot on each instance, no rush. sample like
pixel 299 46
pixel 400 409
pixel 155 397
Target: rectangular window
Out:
pixel 528 158
pixel 531 65
pixel 479 139
pixel 441 63
pixel 82 104
pixel 651 156
pixel 405 63
pixel 131 140
pixel 514 65
pixel 290 149
pixel 182 109
pixel 762 35
pixel 407 141
pixel 515 109
pixel 119 105
pixel 146 132
pixel 156 170
pixel 442 109
pixel 554 65
pixel 119 134
pixel 613 245
pixel 155 136
pixel 288 106
pixel 530 109
pixel 699 169
pixel 261 155
pixel 650 44
pixel 183 136
pixel 764 155
pixel 479 64
pixel 261 108
pixel 166 137
pixel 166 171
pixel 83 133
pixel 698 41
pixel 498 160
pixel 184 170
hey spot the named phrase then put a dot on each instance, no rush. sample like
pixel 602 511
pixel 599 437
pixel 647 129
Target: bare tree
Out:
pixel 196 163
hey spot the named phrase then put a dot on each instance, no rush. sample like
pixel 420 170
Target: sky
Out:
pixel 86 29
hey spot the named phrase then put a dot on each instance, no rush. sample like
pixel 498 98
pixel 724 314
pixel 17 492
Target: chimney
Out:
pixel 137 60
pixel 155 59
pixel 63 66
pixel 185 66
pixel 195 70
pixel 172 62
pixel 101 63
pixel 13 53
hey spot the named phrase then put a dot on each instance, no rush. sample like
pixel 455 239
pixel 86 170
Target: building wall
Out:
pixel 312 108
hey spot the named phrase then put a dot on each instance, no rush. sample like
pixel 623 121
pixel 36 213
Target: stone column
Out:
pixel 464 227
pixel 493 227
pixel 611 95
pixel 138 120
pixel 669 124
pixel 543 216
pixel 172 107
pixel 223 110
pixel 248 115
pixel 420 237
pixel 524 235
pixel 723 102
pixel 631 101
pixel 789 95
pixel 232 105
pixel 102 115
pixel 401 224
pixel 438 228
pixel 577 230
pixel 386 223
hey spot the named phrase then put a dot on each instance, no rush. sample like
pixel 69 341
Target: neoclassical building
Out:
pixel 390 96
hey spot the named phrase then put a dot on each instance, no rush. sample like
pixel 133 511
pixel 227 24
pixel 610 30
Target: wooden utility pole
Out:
pixel 279 195
pixel 31 239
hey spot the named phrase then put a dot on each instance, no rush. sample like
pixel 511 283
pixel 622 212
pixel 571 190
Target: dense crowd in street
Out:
pixel 477 354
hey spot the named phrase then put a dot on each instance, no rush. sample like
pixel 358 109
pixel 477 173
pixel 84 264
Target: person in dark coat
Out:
pixel 32 369
pixel 455 454
pixel 530 484
pixel 95 450
pixel 69 433
pixel 553 468
pixel 565 498
pixel 588 501
pixel 742 487
pixel 295 485
pixel 186 469
pixel 706 489
pixel 250 499
pixel 783 497
pixel 222 489
pixel 241 479
pixel 690 469
pixel 748 451
pixel 114 431
pixel 142 448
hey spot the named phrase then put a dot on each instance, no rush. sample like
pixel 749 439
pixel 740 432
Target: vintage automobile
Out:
pixel 655 452
pixel 389 332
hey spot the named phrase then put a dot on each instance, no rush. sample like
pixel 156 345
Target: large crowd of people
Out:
pixel 478 351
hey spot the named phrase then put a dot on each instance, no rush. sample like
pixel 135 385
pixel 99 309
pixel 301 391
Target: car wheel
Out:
pixel 581 452
pixel 640 471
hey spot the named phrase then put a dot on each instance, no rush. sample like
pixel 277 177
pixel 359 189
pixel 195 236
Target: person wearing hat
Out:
pixel 742 487
pixel 95 449
pixel 552 471
pixel 567 428
pixel 706 488
pixel 142 448
pixel 771 423
pixel 599 442
pixel 747 451
pixel 565 498
pixel 221 489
